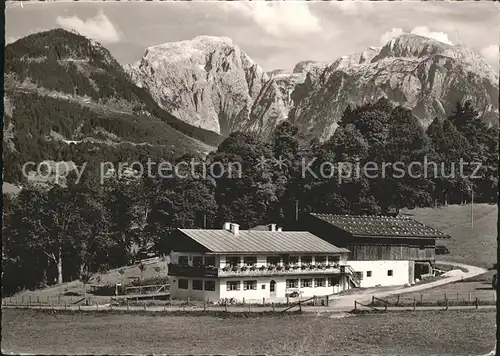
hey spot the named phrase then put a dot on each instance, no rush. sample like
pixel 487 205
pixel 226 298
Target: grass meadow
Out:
pixel 404 333
pixel 477 245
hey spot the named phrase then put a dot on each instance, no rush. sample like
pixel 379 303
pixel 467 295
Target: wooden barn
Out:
pixel 384 250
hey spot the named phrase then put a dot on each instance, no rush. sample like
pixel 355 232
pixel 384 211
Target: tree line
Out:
pixel 62 233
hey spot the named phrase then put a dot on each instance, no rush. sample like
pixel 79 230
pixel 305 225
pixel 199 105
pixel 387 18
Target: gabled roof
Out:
pixel 381 226
pixel 278 242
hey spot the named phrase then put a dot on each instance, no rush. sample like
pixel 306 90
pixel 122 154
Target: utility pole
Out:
pixel 472 209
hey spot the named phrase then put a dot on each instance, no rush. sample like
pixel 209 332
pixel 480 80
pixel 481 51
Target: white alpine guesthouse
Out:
pixel 256 266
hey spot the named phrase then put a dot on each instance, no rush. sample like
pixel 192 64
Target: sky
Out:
pixel 276 35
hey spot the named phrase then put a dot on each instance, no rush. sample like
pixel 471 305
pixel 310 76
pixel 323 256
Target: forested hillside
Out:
pixel 61 87
pixel 66 233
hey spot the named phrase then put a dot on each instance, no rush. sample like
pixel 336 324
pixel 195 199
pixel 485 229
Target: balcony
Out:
pixel 252 271
pixel 191 271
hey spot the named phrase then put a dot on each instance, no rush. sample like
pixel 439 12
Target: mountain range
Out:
pixel 211 83
pixel 184 97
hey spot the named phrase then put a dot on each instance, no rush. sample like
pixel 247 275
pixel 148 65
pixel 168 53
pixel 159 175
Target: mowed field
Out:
pixel 476 245
pixel 404 333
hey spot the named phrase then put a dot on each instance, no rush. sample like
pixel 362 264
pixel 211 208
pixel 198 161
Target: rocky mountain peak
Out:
pixel 207 81
pixel 422 74
pixel 412 46
pixel 211 83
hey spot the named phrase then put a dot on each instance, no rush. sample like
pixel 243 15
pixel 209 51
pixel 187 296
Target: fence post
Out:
pixel 470 297
pixel 457 296
pixel 273 306
pixel 477 303
pixel 446 301
pixel 287 301
pixel 249 306
pixel 127 304
pixel 79 307
pixel 243 300
pixel 414 304
pixel 204 306
pixel 421 298
pixel 96 305
pixel 355 305
pixel 29 300
pixel 263 301
pixel 22 299
pixel 373 299
pixel 300 307
pixel 110 303
pixel 225 307
pixel 398 300
pixel 445 297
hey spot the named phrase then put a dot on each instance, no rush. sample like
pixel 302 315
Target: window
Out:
pixel 249 285
pixel 333 281
pixel 210 260
pixel 233 285
pixel 359 275
pixel 197 260
pixel 306 283
pixel 183 260
pixel 233 261
pixel 293 260
pixel 306 260
pixel 320 259
pixel 292 283
pixel 273 260
pixel 368 273
pixel 333 259
pixel 421 247
pixel 250 260
pixel 210 285
pixel 197 284
pixel 263 286
pixel 183 284
pixel 320 282
pixel 389 272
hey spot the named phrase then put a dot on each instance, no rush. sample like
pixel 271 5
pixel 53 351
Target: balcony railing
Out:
pixel 250 271
pixel 191 271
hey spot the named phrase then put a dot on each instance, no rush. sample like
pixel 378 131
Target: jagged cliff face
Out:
pixel 207 82
pixel 211 83
pixel 421 74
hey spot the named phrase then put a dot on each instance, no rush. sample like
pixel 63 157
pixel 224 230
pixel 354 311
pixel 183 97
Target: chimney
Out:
pixel 227 226
pixel 272 227
pixel 235 229
pixel 279 229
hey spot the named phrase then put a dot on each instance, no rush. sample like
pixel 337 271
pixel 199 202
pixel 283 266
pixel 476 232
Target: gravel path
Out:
pixel 346 303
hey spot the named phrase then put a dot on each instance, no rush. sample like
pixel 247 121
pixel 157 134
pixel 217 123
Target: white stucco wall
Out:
pixel 201 295
pixel 260 294
pixel 379 275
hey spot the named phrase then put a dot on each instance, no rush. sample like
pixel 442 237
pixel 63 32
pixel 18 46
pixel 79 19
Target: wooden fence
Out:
pixel 405 303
